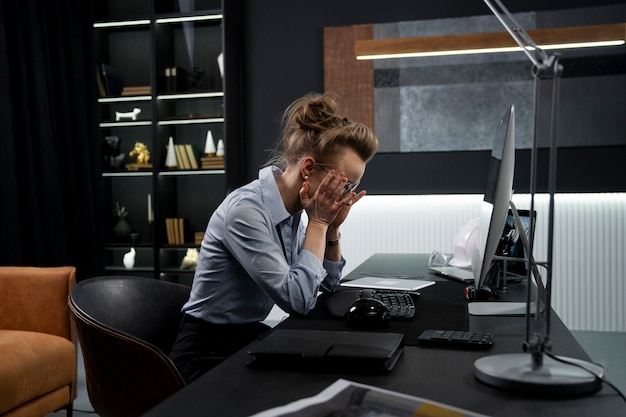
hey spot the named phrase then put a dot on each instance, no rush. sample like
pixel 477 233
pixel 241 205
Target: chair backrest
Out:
pixel 35 299
pixel 127 326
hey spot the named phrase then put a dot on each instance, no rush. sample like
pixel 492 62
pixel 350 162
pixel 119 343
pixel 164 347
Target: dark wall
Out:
pixel 283 59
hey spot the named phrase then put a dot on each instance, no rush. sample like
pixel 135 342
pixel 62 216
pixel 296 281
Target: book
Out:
pixel 212 162
pixel 101 89
pixel 136 91
pixel 112 80
pixel 181 156
pixel 191 155
pixel 169 228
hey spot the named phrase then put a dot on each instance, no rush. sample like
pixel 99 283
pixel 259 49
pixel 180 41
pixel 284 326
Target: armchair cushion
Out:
pixel 37 343
pixel 33 364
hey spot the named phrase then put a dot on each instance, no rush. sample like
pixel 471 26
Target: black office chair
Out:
pixel 127 326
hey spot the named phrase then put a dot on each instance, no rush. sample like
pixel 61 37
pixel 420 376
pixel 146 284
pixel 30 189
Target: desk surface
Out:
pixel 232 389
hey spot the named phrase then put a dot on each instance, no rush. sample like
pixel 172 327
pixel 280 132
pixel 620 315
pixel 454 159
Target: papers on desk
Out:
pixel 356 399
pixel 388 283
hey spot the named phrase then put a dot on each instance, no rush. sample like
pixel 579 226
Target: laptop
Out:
pixel 388 283
pixel 454 272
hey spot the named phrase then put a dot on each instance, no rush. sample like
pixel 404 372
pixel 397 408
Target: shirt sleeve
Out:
pixel 252 239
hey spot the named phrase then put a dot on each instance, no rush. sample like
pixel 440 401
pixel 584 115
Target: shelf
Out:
pixel 122 23
pixel 189 18
pixel 182 172
pixel 190 121
pixel 125 124
pixel 128 174
pixel 208 94
pixel 123 99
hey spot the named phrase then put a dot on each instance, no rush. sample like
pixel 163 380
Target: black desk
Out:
pixel 232 389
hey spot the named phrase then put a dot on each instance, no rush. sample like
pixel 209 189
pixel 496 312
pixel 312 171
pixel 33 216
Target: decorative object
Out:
pixel 220 64
pixel 131 115
pixel 129 258
pixel 122 228
pixel 111 152
pixel 141 152
pixel 150 211
pixel 196 78
pixel 190 260
pixel 170 157
pixel 220 148
pixel 135 238
pixel 209 145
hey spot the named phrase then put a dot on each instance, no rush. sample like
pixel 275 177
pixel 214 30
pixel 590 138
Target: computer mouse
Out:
pixel 367 313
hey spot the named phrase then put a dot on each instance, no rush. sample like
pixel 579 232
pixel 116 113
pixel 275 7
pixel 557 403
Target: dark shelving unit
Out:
pixel 141 42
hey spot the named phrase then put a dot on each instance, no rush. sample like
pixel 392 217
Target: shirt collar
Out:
pixel 271 195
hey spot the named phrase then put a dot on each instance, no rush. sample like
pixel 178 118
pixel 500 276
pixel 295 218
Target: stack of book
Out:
pixel 175 227
pixel 141 90
pixel 176 79
pixel 212 162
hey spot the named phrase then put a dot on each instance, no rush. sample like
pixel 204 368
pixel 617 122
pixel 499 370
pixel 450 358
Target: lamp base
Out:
pixel 514 372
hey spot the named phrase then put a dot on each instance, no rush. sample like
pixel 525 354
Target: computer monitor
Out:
pixel 495 205
pixel 511 247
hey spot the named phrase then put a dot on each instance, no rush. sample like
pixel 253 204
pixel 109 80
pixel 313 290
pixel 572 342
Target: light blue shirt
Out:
pixel 244 268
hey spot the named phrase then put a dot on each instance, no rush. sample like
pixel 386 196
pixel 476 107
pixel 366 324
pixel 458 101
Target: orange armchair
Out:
pixel 37 342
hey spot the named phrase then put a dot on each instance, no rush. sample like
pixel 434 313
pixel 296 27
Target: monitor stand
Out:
pixel 498 308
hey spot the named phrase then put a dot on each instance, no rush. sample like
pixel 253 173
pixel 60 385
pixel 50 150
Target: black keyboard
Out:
pixel 456 339
pixel 399 303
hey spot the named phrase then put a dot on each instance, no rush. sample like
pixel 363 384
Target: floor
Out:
pixel 605 348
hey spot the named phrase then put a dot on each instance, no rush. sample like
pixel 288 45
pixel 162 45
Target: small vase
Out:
pixel 122 229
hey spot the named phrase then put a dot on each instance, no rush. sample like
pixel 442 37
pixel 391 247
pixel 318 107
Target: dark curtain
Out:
pixel 50 181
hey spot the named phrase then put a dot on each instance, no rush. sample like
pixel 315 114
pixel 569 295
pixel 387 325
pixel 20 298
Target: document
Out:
pixel 345 397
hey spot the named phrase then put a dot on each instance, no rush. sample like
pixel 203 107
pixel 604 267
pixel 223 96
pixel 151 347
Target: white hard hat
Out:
pixel 465 244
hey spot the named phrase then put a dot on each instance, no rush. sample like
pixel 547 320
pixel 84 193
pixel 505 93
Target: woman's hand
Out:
pixel 327 205
pixel 343 212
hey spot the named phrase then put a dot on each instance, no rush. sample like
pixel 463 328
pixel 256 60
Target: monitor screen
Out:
pixel 495 206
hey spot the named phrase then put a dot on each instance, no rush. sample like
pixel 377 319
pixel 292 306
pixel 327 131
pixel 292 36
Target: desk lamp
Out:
pixel 537 370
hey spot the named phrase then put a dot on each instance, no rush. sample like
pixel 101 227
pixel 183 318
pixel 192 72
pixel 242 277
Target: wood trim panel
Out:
pixel 351 80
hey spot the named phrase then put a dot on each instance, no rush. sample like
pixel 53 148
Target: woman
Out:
pixel 257 252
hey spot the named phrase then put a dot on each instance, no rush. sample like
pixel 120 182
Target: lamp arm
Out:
pixel 518 34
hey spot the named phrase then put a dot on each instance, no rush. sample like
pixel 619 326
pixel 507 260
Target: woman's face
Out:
pixel 347 164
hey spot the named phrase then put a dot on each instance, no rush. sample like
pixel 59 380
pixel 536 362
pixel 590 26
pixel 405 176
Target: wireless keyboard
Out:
pixel 399 303
pixel 456 339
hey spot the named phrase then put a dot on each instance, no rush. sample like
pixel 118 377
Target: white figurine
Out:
pixel 170 156
pixel 220 148
pixel 129 258
pixel 132 115
pixel 190 260
pixel 209 145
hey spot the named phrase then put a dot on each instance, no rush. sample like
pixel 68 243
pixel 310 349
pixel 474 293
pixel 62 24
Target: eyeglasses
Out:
pixel 350 186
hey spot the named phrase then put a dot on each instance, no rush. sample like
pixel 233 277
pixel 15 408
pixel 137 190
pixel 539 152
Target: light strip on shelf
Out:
pixel 191 121
pixel 192 172
pixel 121 124
pixel 479 43
pixel 191 95
pixel 122 23
pixel 190 18
pixel 126 98
pixel 127 174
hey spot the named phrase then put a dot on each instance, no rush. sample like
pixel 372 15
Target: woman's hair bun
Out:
pixel 316 112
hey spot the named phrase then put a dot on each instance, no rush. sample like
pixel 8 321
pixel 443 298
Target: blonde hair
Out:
pixel 313 127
